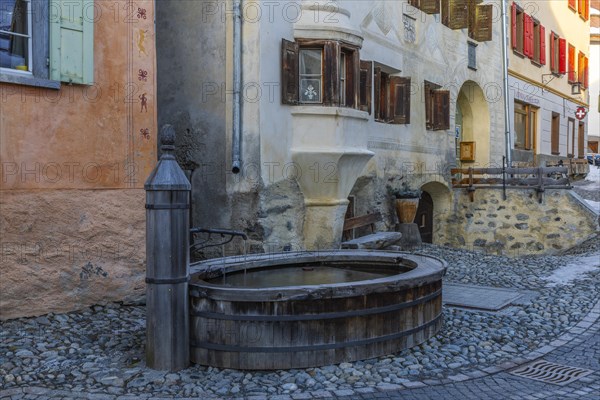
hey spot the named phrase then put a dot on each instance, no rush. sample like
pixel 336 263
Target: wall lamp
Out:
pixel 575 87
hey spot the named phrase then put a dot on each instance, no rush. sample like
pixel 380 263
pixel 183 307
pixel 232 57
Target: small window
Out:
pixel 536 42
pixel 437 107
pixel 558 54
pixel 311 75
pixel 392 98
pixel 16 35
pixel 525 125
pixel 321 72
pixel 472 54
pixel 518 28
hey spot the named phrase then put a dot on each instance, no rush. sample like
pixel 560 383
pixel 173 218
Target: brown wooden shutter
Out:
pixel 366 84
pixel 378 105
pixel 427 90
pixel 400 100
pixel 542 45
pixel 513 25
pixel 455 14
pixel 289 72
pixel 480 28
pixel 430 6
pixel 441 110
pixel 562 56
pixel 331 74
pixel 414 3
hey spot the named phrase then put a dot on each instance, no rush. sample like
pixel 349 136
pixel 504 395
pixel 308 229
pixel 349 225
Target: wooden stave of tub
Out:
pixel 274 328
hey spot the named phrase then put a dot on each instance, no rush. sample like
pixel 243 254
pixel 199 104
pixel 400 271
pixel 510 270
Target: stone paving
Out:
pixel 98 353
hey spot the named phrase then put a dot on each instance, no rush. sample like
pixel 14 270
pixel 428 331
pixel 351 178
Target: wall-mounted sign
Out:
pixel 527 97
pixel 580 113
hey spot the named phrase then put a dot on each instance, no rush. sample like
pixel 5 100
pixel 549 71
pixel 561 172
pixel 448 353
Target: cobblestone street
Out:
pixel 98 353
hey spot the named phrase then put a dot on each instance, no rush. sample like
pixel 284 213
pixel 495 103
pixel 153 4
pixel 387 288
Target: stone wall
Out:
pixel 64 250
pixel 519 225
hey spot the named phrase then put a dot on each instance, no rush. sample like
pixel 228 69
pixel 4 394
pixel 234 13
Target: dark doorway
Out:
pixel 424 218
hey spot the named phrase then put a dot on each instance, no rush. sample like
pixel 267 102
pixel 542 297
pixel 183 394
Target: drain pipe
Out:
pixel 237 83
pixel 507 136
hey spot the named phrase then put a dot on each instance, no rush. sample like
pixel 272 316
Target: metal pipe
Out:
pixel 507 136
pixel 237 82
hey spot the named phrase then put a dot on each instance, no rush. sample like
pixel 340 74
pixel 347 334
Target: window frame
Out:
pixel 332 94
pixel 39 73
pixel 571 137
pixel 530 113
pixel 472 55
pixel 310 76
pixel 436 119
pixel 392 98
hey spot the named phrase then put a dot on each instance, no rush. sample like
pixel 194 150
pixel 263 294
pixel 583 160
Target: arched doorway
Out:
pixel 472 125
pixel 424 217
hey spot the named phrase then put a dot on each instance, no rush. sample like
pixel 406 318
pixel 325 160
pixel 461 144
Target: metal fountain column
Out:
pixel 167 258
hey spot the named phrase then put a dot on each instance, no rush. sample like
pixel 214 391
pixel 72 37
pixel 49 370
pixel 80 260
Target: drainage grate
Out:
pixel 548 372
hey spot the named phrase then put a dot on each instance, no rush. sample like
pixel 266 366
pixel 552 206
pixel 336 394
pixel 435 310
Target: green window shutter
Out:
pixel 72 41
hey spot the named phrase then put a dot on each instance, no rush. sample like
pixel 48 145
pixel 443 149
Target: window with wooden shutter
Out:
pixel 71 41
pixel 562 56
pixel 430 6
pixel 400 100
pixel 573 5
pixel 480 27
pixel 289 72
pixel 571 74
pixel 378 94
pixel 542 45
pixel 441 110
pixel 518 28
pixel 323 72
pixel 366 84
pixel 455 13
pixel 437 107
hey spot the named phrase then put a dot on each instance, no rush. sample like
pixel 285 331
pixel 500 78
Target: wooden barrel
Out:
pixel 313 325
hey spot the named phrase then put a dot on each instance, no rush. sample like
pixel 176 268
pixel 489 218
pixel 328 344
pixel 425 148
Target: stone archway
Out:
pixel 473 123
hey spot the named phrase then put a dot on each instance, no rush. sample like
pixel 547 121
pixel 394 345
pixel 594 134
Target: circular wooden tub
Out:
pixel 234 325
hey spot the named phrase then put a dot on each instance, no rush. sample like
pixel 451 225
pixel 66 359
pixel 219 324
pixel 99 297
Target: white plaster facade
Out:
pixel 325 154
pixel 533 84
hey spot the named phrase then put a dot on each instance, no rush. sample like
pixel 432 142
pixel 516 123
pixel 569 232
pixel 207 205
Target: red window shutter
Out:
pixel 585 72
pixel 573 4
pixel 571 72
pixel 562 56
pixel 513 23
pixel 527 25
pixel 530 38
pixel 542 45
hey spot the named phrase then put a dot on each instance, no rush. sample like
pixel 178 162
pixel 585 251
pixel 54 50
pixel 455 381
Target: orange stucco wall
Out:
pixel 73 163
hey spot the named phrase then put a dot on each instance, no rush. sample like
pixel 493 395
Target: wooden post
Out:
pixel 167 258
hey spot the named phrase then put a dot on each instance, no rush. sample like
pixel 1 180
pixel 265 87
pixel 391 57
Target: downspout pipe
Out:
pixel 507 135
pixel 236 142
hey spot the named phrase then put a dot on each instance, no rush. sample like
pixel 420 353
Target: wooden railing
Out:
pixel 576 166
pixel 539 179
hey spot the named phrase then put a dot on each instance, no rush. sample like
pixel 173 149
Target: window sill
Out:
pixel 518 53
pixel 472 68
pixel 536 63
pixel 330 111
pixel 28 80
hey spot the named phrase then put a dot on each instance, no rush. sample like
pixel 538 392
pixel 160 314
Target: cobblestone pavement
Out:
pixel 98 353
